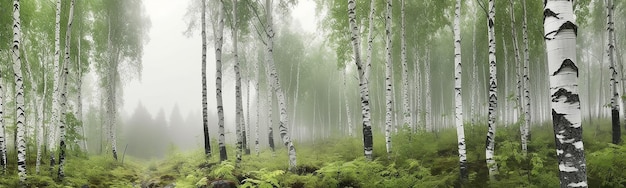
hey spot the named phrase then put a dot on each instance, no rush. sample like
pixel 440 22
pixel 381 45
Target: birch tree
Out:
pixel 388 74
pixel 282 102
pixel 457 91
pixel 218 80
pixel 560 36
pixel 19 93
pixel 55 96
pixel 493 93
pixel 610 28
pixel 238 101
pixel 405 71
pixel 3 143
pixel 205 113
pixel 62 123
pixel 526 82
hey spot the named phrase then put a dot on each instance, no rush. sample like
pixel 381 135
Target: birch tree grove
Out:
pixel 493 91
pixel 560 36
pixel 458 99
pixel 282 102
pixel 19 93
pixel 610 28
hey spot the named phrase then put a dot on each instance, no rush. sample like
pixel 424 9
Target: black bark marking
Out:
pixel 617 131
pixel 569 96
pixel 567 64
pixel 491 23
pixel 568 25
pixel 571 156
pixel 548 13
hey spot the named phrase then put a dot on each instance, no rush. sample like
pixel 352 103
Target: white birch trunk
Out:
pixel 418 90
pixel 526 83
pixel 256 87
pixel 427 98
pixel 270 106
pixel 55 95
pixel 493 94
pixel 388 86
pixel 475 83
pixel 560 36
pixel 617 131
pixel 458 99
pixel 66 64
pixel 19 94
pixel 205 112
pixel 218 82
pixel 405 72
pixel 238 106
pixel 363 71
pixel 348 113
pixel 3 140
pixel 282 102
pixel 79 101
pixel 518 99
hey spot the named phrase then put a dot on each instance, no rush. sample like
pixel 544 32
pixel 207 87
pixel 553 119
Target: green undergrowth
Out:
pixel 417 160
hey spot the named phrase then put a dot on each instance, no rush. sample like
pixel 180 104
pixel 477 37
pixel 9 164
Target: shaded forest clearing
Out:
pixel 418 160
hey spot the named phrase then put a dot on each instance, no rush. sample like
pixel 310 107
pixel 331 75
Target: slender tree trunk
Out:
pixel 247 130
pixel 62 145
pixel 205 112
pixel 239 107
pixel 458 99
pixel 388 87
pixel 282 102
pixel 475 82
pixel 427 89
pixel 405 72
pixel 79 100
pixel 518 99
pixel 526 84
pixel 19 93
pixel 218 82
pixel 348 113
pixel 295 100
pixel 270 106
pixel 55 96
pixel 3 140
pixel 363 70
pixel 41 125
pixel 493 94
pixel 617 131
pixel 504 110
pixel 256 87
pixel 560 37
pixel 418 91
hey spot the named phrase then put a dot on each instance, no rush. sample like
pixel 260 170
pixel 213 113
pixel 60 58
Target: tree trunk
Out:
pixel 348 113
pixel 493 94
pixel 55 95
pixel 405 72
pixel 282 103
pixel 617 131
pixel 518 99
pixel 19 93
pixel 218 82
pixel 363 70
pixel 427 98
pixel 3 140
pixel 560 37
pixel 418 91
pixel 458 99
pixel 256 87
pixel 270 106
pixel 205 112
pixel 62 145
pixel 388 87
pixel 238 106
pixel 526 84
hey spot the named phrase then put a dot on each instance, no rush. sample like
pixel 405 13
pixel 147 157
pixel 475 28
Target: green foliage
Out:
pixel 262 178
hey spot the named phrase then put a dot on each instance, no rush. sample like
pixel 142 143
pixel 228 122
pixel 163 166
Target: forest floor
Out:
pixel 417 160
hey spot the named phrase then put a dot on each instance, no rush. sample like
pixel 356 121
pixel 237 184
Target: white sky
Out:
pixel 172 62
